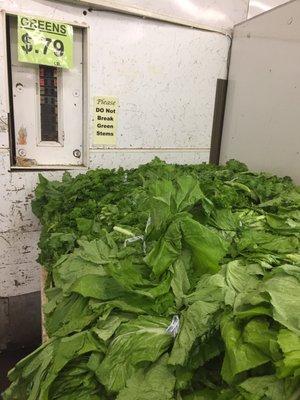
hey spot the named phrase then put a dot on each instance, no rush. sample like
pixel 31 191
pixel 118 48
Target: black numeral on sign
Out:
pixel 58 45
pixel 48 41
pixel 59 48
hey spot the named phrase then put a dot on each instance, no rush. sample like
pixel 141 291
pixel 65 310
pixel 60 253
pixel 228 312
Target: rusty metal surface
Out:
pixel 25 162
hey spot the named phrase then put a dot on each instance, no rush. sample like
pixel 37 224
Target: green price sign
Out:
pixel 45 42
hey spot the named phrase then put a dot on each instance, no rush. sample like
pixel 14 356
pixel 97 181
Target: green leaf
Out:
pixel 154 383
pixel 196 322
pixel 97 287
pixel 208 248
pixel 283 289
pixel 240 355
pixel 180 281
pixel 140 340
pixel 289 343
pixel 206 394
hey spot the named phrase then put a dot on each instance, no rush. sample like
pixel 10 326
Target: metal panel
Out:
pixel 164 77
pixel 30 150
pixel 133 158
pixel 3 87
pixel 257 7
pixel 210 13
pixel 20 318
pixel 18 271
pixel 262 118
pixel 25 320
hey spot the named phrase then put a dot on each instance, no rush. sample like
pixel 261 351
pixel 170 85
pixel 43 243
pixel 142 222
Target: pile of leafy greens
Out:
pixel 167 282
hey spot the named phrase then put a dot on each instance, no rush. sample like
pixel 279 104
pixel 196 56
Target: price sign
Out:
pixel 45 42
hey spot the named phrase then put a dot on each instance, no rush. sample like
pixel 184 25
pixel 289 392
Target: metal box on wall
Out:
pixel 47 124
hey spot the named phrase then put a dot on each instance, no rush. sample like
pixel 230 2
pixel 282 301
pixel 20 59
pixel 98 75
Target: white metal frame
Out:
pixel 126 9
pixel 60 141
pixel 85 98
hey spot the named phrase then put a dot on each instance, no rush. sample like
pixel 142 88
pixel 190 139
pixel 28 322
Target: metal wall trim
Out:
pixel 106 5
pixel 219 111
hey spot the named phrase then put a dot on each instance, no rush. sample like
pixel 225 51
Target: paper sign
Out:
pixel 105 120
pixel 41 41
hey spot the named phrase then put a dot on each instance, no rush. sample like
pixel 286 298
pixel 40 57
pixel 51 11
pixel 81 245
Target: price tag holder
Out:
pixel 45 42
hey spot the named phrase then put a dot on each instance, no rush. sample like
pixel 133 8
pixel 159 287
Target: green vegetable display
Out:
pixel 167 282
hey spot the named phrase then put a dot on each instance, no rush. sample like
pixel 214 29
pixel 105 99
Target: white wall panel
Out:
pixel 164 77
pixel 213 13
pixel 257 7
pixel 19 271
pixel 218 13
pixel 261 125
pixel 19 279
pixel 131 159
pixel 16 194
